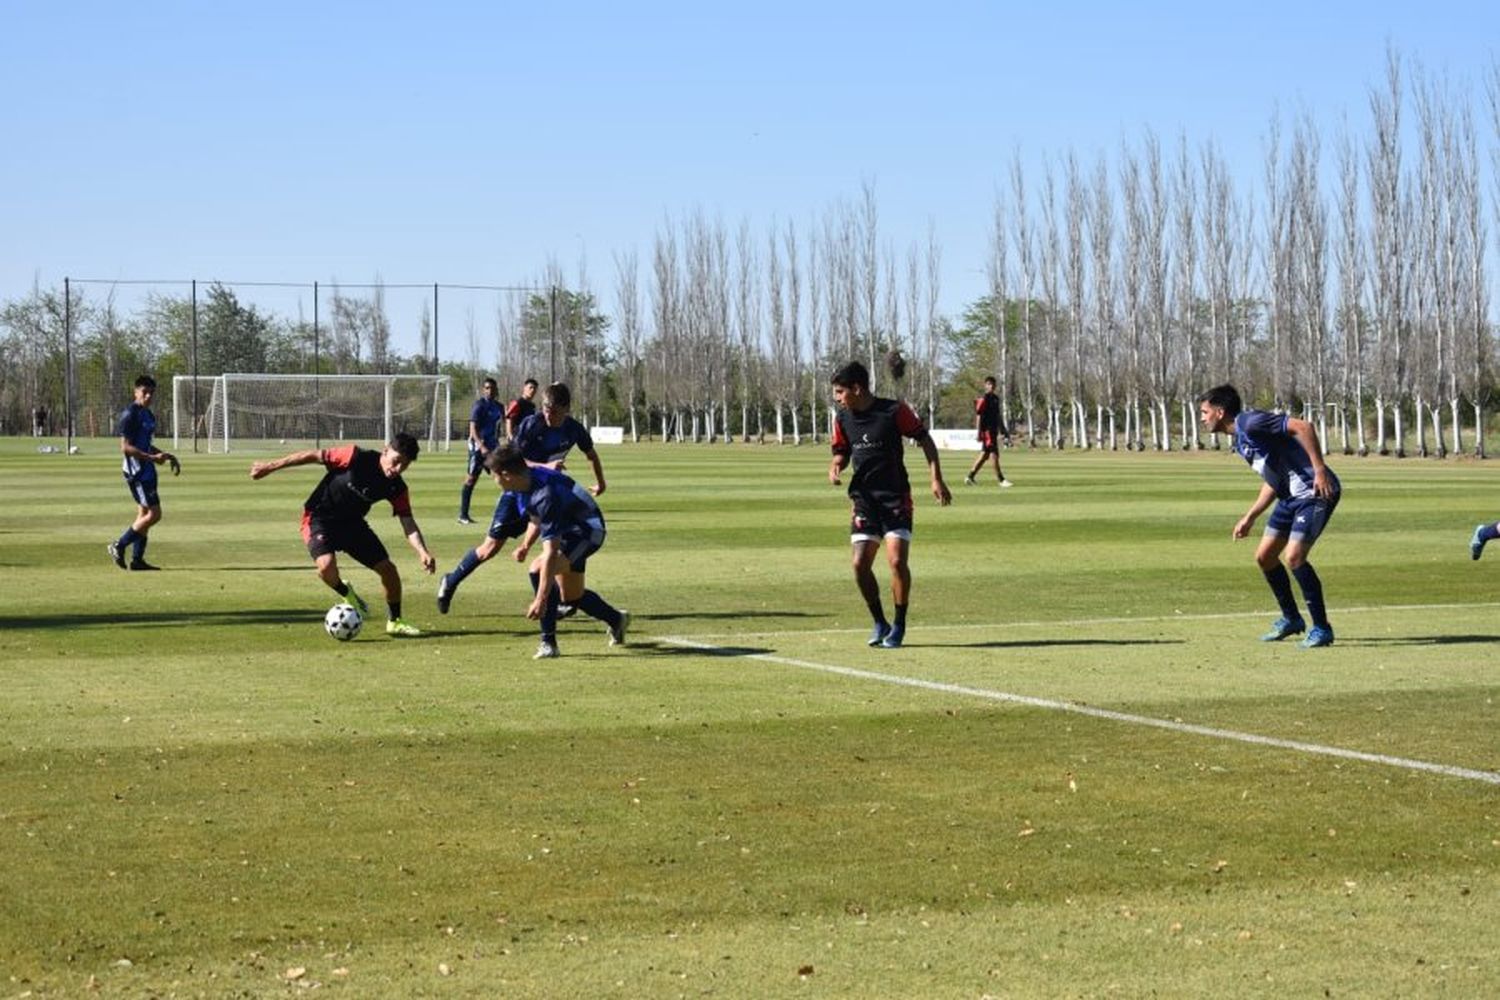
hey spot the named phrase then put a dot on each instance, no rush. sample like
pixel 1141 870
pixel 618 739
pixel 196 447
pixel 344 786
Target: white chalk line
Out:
pixel 1050 704
pixel 1083 622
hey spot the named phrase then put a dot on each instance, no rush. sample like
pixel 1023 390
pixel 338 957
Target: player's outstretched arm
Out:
pixel 598 487
pixel 418 543
pixel 940 489
pixel 260 470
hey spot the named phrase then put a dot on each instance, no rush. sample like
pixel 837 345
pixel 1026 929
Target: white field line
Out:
pixel 1488 777
pixel 1079 622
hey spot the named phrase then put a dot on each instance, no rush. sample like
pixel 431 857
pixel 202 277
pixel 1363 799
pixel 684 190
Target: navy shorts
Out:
pixel 1302 520
pixel 581 541
pixel 875 517
pixel 476 462
pixel 143 490
pixel 356 538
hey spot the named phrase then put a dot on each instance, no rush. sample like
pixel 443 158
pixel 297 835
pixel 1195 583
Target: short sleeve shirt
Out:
pixel 1261 438
pixel 353 484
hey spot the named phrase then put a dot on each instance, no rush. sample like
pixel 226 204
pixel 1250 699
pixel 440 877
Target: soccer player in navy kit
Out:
pixel 484 431
pixel 567 520
pixel 990 429
pixel 868 432
pixel 333 517
pixel 546 438
pixel 1287 454
pixel 137 425
pixel 520 408
pixel 509 521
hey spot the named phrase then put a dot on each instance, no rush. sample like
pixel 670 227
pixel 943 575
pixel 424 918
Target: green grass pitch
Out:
pixel 201 794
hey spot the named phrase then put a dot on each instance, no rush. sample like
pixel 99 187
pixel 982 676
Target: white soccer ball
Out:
pixel 343 622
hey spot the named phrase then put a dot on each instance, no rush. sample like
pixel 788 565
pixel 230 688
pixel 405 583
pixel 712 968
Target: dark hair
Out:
pixel 895 364
pixel 557 396
pixel 406 445
pixel 145 382
pixel 531 382
pixel 990 380
pixel 1226 397
pixel 851 375
pixel 490 382
pixel 506 458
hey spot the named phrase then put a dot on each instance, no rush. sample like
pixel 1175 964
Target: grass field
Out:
pixel 201 794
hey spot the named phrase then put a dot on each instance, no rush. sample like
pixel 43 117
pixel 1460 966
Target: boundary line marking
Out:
pixel 1051 704
pixel 1119 620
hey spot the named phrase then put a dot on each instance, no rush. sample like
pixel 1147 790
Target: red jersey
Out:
pixel 872 439
pixel 353 484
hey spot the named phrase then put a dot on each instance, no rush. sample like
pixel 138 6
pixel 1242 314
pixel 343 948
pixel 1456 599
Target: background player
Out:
pixel 546 438
pixel 1287 454
pixel 333 517
pixel 137 425
pixel 990 429
pixel 520 408
pixel 484 430
pixel 571 528
pixel 868 431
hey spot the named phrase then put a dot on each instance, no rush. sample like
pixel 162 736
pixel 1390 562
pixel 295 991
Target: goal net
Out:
pixel 251 412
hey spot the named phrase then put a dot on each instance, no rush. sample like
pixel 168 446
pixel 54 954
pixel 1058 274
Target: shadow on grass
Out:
pixel 722 615
pixel 1044 643
pixel 1422 640
pixel 154 619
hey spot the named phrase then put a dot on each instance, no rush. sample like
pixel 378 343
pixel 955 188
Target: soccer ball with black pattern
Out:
pixel 343 622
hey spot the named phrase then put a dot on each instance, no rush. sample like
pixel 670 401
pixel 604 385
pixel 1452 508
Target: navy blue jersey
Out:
pixel 559 505
pixel 486 416
pixel 509 519
pixel 541 443
pixel 1262 439
pixel 137 426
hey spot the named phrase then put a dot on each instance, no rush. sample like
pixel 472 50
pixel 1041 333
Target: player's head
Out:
pixel 508 466
pixel 895 364
pixel 400 451
pixel 145 388
pixel 989 383
pixel 489 388
pixel 1218 407
pixel 851 384
pixel 557 401
pixel 529 388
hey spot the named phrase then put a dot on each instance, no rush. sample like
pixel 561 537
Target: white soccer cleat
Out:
pixel 545 651
pixel 617 634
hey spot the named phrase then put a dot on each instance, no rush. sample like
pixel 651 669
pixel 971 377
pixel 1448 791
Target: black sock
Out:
pixel 394 607
pixel 1312 593
pixel 342 589
pixel 595 606
pixel 1281 586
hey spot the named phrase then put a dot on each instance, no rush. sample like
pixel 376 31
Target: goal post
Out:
pixel 242 411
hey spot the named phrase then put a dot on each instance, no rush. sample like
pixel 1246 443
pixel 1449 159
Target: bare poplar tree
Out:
pixel 1387 252
pixel 999 275
pixel 1077 250
pixel 1185 290
pixel 1050 266
pixel 1025 243
pixel 747 321
pixel 1350 311
pixel 815 332
pixel 932 353
pixel 1133 284
pixel 1101 240
pixel 792 373
pixel 628 321
pixel 1156 257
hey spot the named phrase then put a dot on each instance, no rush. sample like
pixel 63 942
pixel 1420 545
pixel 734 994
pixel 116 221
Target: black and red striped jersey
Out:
pixel 872 439
pixel 353 484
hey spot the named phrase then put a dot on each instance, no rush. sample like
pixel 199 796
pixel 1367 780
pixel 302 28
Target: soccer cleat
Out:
pixel 1006 484
pixel 969 481
pixel 1476 541
pixel 894 637
pixel 142 566
pixel 617 632
pixel 396 628
pixel 1321 635
pixel 353 598
pixel 878 633
pixel 566 611
pixel 444 595
pixel 545 651
pixel 465 519
pixel 113 548
pixel 1284 626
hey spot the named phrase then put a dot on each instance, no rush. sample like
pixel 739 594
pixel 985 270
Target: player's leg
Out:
pixel 146 517
pixel 574 587
pixel 323 543
pixel 863 550
pixel 1312 518
pixel 472 560
pixel 999 473
pixel 897 551
pixel 1483 534
pixel 547 648
pixel 1268 558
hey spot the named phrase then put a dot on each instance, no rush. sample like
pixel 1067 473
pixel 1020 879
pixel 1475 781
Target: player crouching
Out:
pixel 564 516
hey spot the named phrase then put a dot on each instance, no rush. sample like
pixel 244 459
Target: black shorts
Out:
pixel 876 516
pixel 989 442
pixel 353 537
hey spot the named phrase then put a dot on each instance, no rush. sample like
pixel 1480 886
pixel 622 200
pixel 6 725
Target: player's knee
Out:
pixel 1296 558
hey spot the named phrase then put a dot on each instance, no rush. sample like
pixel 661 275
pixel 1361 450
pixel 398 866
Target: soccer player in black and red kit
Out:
pixel 333 517
pixel 989 428
pixel 868 431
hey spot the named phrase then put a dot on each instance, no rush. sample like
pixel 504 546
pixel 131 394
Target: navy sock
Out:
pixel 595 606
pixel 900 621
pixel 127 540
pixel 549 609
pixel 1312 593
pixel 1281 586
pixel 1488 533
pixel 140 547
pixel 468 564
pixel 464 498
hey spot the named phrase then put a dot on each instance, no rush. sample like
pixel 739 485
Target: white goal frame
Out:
pixel 317 408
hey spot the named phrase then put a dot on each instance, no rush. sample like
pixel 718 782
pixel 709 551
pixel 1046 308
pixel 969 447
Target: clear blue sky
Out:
pixel 473 142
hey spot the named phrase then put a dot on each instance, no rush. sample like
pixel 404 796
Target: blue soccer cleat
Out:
pixel 1321 635
pixel 878 634
pixel 1284 627
pixel 1476 541
pixel 894 637
pixel 444 594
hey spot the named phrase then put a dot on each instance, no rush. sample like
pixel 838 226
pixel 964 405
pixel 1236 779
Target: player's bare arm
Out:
pixel 418 543
pixel 259 470
pixel 1264 499
pixel 940 489
pixel 1307 436
pixel 836 468
pixel 551 564
pixel 527 541
pixel 598 488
